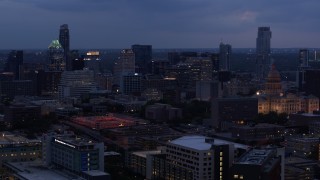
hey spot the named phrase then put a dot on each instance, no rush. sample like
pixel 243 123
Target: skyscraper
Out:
pixel 303 57
pixel 143 55
pixel 123 66
pixel 64 40
pixel 303 65
pixel 55 53
pixel 14 63
pixel 225 53
pixel 263 52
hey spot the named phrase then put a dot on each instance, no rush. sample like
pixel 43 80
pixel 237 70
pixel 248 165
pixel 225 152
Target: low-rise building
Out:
pixel 74 154
pixel 15 148
pixel 262 164
pixel 300 168
pixel 162 112
pixel 305 147
pixel 21 112
pixel 258 132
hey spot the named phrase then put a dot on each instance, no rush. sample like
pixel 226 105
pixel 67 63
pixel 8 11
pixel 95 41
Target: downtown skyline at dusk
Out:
pixel 159 89
pixel 164 24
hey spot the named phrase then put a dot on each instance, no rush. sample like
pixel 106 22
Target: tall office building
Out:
pixel 14 63
pixel 225 54
pixel 303 65
pixel 143 55
pixel 124 65
pixel 56 53
pixel 64 40
pixel 263 52
pixel 215 57
pixel 303 57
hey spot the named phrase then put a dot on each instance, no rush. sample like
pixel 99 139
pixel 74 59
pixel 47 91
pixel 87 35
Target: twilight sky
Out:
pixel 28 24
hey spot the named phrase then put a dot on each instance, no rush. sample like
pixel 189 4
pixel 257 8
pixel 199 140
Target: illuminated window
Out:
pixel 221 169
pixel 241 177
pixel 236 176
pixel 221 153
pixel 221 163
pixel 221 158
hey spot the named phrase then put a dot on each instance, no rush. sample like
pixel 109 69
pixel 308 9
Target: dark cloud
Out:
pixel 163 23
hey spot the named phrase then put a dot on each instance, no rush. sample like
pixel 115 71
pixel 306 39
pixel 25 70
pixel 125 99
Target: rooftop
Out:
pixel 255 156
pixel 199 142
pixel 36 171
pixel 96 173
pixel 9 138
pixel 145 153
pixel 74 141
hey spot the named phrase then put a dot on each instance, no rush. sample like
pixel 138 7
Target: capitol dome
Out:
pixel 274 75
pixel 273 82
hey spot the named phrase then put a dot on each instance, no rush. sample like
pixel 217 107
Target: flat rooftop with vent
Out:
pixel 256 156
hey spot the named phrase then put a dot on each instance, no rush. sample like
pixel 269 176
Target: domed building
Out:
pixel 274 98
pixel 273 82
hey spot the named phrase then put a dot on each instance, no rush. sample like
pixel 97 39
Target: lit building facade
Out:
pixel 16 148
pixel 72 153
pixel 56 56
pixel 274 99
pixel 207 158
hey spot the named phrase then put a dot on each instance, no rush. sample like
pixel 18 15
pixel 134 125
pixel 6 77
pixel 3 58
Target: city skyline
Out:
pixel 163 24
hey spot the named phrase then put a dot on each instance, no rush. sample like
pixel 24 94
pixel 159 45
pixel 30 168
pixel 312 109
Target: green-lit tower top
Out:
pixel 55 44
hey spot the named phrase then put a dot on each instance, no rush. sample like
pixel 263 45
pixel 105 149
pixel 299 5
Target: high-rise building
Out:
pixel 263 51
pixel 303 57
pixel 206 158
pixel 76 83
pixel 215 62
pixel 312 82
pixel 143 55
pixel 64 40
pixel 303 65
pixel 92 61
pixel 124 65
pixel 56 53
pixel 225 54
pixel 77 62
pixel 14 63
pixel 132 84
